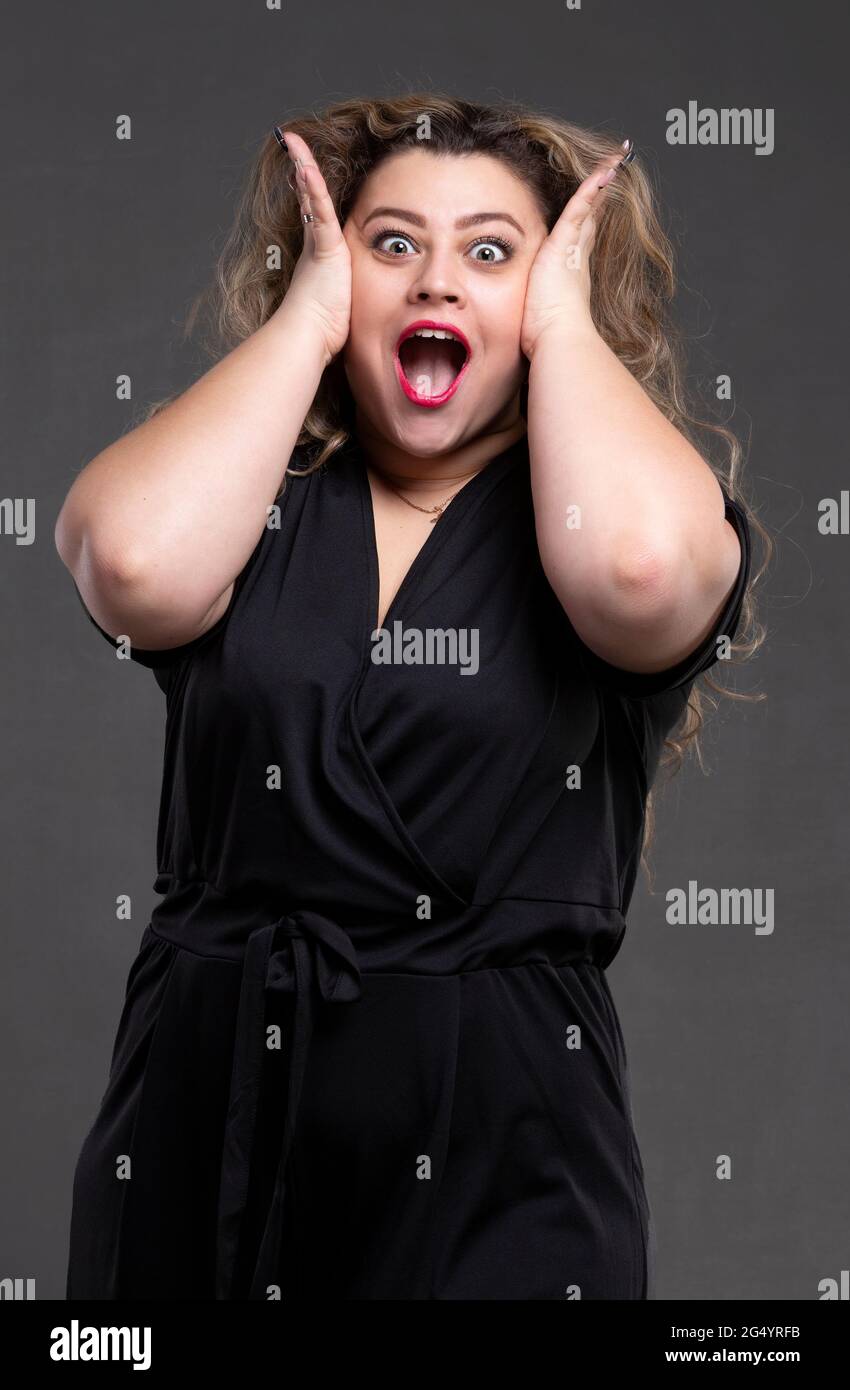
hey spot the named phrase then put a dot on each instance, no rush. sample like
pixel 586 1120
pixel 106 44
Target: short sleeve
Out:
pixel 161 661
pixel 164 661
pixel 643 684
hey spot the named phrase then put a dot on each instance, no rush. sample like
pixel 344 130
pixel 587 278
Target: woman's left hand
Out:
pixel 558 291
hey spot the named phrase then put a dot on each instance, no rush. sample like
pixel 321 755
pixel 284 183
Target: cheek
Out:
pixel 370 308
pixel 503 327
pixel 515 299
pixel 504 308
pixel 369 286
pixel 363 327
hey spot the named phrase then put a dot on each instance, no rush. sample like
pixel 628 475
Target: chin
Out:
pixel 430 435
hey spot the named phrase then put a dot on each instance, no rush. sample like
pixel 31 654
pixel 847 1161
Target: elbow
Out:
pixel 88 550
pixel 66 536
pixel 643 578
pixel 91 536
pixel 637 590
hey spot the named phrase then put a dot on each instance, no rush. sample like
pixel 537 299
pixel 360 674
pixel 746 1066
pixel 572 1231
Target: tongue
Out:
pixel 429 364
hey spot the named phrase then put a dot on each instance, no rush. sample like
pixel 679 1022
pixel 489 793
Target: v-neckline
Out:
pixel 438 532
pixel 448 523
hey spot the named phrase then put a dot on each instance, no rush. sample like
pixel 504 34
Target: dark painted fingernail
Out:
pixel 279 137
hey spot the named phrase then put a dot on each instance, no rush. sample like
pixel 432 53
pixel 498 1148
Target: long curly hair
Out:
pixel 632 272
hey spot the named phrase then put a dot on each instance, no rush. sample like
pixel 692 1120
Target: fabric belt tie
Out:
pixel 312 958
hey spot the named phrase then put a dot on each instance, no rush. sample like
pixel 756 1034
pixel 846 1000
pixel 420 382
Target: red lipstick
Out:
pixel 410 390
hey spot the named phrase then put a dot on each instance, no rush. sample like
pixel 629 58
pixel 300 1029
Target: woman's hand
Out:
pixel 558 291
pixel 320 289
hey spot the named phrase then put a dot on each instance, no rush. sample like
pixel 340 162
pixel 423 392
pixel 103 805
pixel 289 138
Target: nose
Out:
pixel 437 280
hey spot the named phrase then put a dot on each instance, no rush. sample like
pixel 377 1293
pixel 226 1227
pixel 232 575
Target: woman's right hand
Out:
pixel 320 289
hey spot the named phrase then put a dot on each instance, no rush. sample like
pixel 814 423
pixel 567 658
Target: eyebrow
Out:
pixel 473 220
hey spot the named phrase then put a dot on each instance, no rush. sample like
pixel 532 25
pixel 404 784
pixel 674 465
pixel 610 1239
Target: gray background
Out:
pixel 737 1043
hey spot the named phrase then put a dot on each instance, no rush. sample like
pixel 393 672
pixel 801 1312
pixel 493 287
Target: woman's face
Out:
pixel 447 240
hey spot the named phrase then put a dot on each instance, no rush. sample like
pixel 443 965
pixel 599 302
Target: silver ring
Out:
pixel 307 217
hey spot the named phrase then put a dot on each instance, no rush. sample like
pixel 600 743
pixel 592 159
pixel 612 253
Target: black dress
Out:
pixel 368 1049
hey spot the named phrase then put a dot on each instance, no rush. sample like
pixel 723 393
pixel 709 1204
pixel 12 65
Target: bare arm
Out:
pixel 157 527
pixel 646 574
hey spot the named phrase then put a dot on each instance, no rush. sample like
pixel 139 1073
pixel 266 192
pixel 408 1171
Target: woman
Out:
pixel 416 698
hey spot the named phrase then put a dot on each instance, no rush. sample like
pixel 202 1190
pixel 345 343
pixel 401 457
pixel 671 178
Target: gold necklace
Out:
pixel 438 509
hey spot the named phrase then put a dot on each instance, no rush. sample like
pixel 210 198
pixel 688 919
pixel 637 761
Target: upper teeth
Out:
pixel 436 333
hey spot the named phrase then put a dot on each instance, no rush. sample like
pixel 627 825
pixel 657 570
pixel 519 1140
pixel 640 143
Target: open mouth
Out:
pixel 431 361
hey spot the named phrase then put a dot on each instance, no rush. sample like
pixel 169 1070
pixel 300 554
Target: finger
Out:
pixel 580 251
pixel 587 196
pixel 313 195
pixel 316 199
pixel 587 236
pixel 609 168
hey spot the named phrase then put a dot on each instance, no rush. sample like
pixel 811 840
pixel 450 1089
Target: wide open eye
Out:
pixel 502 248
pixel 387 239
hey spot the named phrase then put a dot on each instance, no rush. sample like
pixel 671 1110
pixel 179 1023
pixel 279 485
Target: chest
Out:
pixel 400 533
